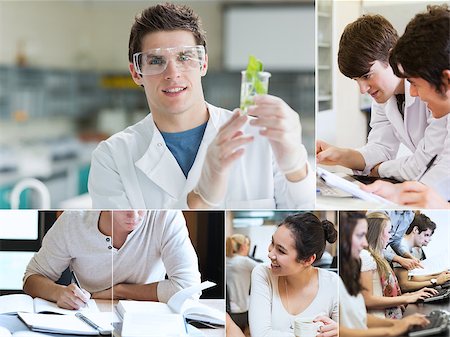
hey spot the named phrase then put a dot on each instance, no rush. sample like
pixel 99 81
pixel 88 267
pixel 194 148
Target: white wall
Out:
pixel 440 241
pixel 351 122
pixel 399 13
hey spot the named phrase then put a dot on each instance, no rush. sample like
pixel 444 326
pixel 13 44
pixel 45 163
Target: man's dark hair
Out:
pixel 422 222
pixel 364 41
pixel 164 17
pixel 423 50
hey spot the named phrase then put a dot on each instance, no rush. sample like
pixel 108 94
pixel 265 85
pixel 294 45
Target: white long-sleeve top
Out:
pixel 267 315
pixel 238 274
pixel 158 246
pixel 135 169
pixel 419 131
pixel 352 309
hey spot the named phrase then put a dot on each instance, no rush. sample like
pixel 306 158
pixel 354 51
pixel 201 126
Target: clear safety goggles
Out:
pixel 155 61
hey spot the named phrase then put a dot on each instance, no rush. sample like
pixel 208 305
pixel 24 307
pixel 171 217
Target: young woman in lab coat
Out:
pixel 396 116
pixel 421 55
pixel 190 154
pixel 291 287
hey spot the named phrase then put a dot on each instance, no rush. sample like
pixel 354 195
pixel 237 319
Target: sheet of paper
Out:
pixel 15 303
pixel 431 265
pixel 159 325
pixel 176 301
pixel 41 305
pixel 347 186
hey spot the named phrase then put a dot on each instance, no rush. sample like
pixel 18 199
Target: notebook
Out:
pixel 181 308
pixel 12 304
pixel 69 324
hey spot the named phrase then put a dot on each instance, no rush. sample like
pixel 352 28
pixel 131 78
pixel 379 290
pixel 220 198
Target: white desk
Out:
pixel 13 323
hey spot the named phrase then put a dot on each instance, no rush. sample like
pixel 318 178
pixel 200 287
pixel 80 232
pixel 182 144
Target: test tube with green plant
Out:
pixel 254 82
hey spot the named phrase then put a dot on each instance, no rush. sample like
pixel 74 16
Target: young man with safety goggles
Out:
pixel 188 153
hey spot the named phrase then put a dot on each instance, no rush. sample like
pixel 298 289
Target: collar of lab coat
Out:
pixel 394 116
pixel 160 166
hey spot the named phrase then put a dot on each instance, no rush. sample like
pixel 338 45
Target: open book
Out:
pixel 171 317
pixel 12 304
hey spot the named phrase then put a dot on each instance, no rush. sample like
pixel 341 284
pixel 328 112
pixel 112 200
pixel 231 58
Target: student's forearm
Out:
pixel 371 332
pixel 382 302
pixel 40 286
pixel 353 159
pixel 138 292
pixel 415 285
pixel 376 322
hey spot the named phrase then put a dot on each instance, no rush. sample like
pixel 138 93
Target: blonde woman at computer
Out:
pixel 381 289
pixel 353 318
pixel 291 287
pixel 239 269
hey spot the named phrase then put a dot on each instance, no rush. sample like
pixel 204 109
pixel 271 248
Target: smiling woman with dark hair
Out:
pixel 291 287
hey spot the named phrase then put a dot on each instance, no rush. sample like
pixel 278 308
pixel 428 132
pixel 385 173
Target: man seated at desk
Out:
pixel 417 236
pixel 115 255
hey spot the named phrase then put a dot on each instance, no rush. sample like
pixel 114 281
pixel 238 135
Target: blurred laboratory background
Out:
pixel 65 86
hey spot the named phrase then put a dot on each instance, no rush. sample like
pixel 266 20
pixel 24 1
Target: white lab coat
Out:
pixel 135 169
pixel 439 175
pixel 418 131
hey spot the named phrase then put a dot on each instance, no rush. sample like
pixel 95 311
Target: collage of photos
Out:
pixel 232 168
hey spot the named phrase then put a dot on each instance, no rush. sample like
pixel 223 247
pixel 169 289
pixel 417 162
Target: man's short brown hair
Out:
pixel 164 17
pixel 364 41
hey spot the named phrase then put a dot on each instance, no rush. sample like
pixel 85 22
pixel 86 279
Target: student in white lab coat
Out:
pixel 190 154
pixel 421 56
pixel 396 116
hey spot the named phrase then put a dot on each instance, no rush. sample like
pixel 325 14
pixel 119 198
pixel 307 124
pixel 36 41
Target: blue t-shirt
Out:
pixel 184 145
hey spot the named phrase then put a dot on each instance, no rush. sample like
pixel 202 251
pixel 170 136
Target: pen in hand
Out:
pixel 427 168
pixel 74 277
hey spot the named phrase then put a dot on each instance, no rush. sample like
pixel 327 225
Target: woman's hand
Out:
pixel 329 329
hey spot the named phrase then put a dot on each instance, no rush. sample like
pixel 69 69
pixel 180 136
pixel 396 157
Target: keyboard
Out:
pixel 438 326
pixel 441 295
pixel 445 285
pixel 329 191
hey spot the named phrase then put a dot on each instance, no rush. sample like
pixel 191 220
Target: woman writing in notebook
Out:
pixel 291 287
pixel 354 320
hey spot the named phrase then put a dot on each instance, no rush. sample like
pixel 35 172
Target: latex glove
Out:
pixel 281 125
pixel 224 150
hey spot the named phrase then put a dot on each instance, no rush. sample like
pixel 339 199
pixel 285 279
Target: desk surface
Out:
pixel 13 323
